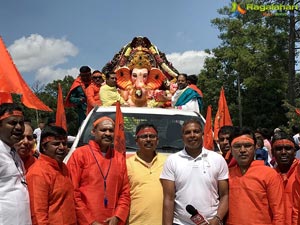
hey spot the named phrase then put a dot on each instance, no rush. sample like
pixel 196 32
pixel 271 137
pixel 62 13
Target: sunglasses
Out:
pixel 286 147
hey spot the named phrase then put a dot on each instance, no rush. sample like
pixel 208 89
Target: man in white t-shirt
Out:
pixel 194 176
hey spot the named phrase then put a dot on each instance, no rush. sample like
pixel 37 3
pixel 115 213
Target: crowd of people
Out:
pixel 253 179
pixel 98 185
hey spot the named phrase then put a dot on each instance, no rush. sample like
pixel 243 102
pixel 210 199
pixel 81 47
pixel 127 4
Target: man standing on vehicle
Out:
pixel 144 169
pixel 109 94
pixel 77 96
pixel 185 97
pixel 99 176
pixel 194 176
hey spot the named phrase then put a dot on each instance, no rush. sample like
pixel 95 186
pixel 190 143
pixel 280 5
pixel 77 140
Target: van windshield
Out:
pixel 169 129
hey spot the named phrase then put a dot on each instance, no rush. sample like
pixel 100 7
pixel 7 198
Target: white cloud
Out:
pixel 35 52
pixel 189 62
pixel 42 56
pixel 48 74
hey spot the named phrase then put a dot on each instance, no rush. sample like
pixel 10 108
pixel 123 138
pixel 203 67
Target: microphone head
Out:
pixel 191 210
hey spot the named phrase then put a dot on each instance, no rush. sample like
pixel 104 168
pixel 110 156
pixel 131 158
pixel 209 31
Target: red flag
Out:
pixel 297 111
pixel 119 140
pixel 12 82
pixel 60 110
pixel 222 117
pixel 208 141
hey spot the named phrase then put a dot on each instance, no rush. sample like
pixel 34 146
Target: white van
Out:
pixel 167 121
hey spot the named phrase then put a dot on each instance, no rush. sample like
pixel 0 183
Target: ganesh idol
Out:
pixel 143 76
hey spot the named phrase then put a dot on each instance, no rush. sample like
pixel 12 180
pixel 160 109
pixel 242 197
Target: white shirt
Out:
pixel 192 105
pixel 14 198
pixel 38 133
pixel 196 182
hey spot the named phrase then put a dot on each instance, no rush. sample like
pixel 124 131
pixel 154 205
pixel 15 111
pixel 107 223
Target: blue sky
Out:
pixel 50 39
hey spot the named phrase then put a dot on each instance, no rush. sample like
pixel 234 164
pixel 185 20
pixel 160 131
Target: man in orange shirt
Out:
pixel 99 175
pixel 256 190
pixel 77 94
pixel 92 91
pixel 50 188
pixel 283 149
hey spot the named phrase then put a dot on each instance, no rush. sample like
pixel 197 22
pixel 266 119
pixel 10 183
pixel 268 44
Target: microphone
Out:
pixel 196 217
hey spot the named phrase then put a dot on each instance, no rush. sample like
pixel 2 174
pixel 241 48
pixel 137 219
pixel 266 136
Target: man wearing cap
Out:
pixel 14 198
pixel 77 94
pixel 99 176
pixel 284 151
pixel 92 92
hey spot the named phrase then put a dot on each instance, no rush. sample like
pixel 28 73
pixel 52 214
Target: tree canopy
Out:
pixel 252 58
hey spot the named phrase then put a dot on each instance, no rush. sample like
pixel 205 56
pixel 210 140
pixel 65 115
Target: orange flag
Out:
pixel 208 141
pixel 119 140
pixel 11 81
pixel 60 119
pixel 222 117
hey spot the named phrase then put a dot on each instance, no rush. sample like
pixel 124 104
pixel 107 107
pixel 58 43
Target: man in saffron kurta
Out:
pixel 50 188
pixel 77 94
pixel 144 169
pixel 92 91
pixel 99 176
pixel 283 149
pixel 255 190
pixel 25 147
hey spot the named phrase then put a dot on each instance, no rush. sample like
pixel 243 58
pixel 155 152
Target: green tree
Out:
pixel 252 59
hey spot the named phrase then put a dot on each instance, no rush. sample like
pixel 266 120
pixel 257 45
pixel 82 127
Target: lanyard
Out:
pixel 104 177
pixel 18 164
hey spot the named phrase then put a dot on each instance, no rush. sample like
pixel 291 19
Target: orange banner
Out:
pixel 12 82
pixel 208 141
pixel 60 110
pixel 222 117
pixel 119 140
